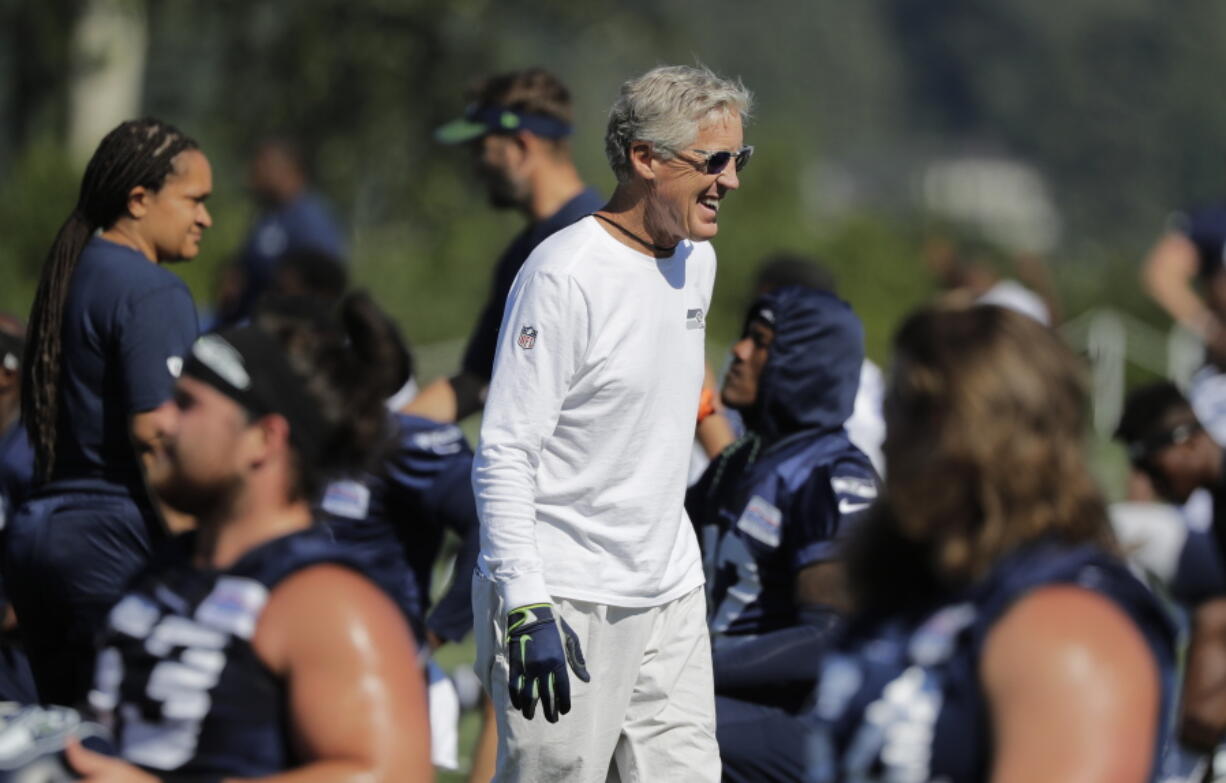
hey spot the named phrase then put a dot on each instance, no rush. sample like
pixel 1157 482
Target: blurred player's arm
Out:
pixel 449 399
pixel 713 431
pixel 789 654
pixel 1203 706
pixel 463 394
pixel 453 502
pixel 1168 274
pixel 1073 691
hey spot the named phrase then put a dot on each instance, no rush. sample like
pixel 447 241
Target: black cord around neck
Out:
pixel 651 245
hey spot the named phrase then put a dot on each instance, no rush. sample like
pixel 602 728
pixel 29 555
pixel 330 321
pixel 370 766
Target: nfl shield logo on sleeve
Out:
pixel 527 337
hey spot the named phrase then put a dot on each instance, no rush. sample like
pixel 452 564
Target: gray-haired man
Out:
pixel 581 471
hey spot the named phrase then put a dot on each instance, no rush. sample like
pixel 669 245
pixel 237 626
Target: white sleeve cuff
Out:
pixel 524 591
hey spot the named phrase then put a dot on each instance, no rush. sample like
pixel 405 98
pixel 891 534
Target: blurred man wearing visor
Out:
pixel 518 126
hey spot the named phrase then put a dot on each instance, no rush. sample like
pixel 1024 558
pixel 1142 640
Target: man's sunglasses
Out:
pixel 1141 450
pixel 716 162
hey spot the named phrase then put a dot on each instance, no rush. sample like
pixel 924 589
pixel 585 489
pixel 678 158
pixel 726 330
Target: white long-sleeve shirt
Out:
pixel 580 474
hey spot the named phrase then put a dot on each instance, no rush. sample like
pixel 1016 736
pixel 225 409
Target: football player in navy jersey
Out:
pixel 16 454
pixel 769 512
pixel 1191 255
pixel 1167 443
pixel 256 647
pixel 400 512
pixel 398 515
pixel 108 332
pixel 16 481
pixel 997 636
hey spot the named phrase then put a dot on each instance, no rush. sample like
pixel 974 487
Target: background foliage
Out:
pixel 1109 101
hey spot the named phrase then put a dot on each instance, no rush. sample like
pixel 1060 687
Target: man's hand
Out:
pixel 540 649
pixel 97 768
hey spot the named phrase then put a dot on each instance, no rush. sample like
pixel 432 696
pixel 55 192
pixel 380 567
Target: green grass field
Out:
pixel 449 657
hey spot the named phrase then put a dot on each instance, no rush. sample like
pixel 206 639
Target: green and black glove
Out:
pixel 540 647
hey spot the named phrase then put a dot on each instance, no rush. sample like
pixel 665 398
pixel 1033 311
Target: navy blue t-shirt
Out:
pixel 16 470
pixel 128 324
pixel 479 355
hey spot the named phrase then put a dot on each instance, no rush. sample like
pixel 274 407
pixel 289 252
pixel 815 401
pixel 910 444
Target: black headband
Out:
pixel 249 366
pixel 761 310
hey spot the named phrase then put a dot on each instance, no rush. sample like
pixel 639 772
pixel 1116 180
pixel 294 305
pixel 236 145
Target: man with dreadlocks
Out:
pixel 107 335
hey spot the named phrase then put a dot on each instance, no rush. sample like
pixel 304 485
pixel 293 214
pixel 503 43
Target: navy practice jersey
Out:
pixel 179 682
pixel 762 517
pixel 398 518
pixel 899 699
pixel 128 324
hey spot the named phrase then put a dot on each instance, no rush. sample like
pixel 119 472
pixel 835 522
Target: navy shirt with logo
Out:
pixel 128 324
pixel 479 355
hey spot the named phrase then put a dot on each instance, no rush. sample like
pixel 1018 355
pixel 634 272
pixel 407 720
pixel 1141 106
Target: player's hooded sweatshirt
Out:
pixel 781 498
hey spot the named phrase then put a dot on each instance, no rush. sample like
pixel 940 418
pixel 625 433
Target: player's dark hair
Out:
pixel 345 357
pixel 318 273
pixel 377 340
pixel 987 412
pixel 784 269
pixel 1149 411
pixel 531 91
pixel 138 153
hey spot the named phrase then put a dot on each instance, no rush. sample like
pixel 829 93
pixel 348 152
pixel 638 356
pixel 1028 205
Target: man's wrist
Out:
pixel 524 591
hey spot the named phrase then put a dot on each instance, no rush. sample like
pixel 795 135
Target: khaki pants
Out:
pixel 647 716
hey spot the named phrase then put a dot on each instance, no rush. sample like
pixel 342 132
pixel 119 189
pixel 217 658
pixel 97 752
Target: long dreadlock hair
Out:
pixel 138 153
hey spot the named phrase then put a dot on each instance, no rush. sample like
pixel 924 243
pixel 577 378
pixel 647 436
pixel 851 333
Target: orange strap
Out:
pixel 706 404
